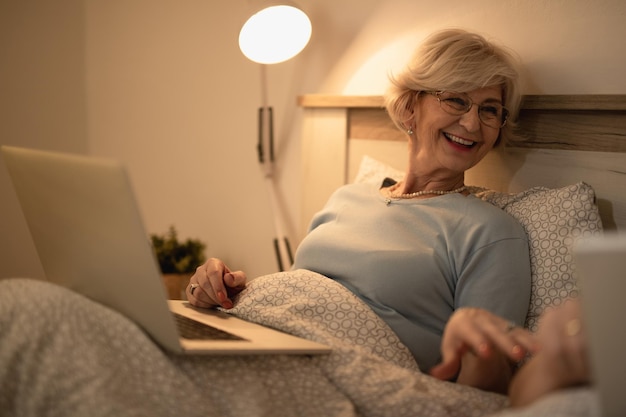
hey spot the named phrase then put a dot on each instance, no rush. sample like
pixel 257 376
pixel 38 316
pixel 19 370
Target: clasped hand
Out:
pixel 480 349
pixel 478 346
pixel 214 284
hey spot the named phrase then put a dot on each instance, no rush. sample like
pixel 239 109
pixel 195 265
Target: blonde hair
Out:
pixel 460 61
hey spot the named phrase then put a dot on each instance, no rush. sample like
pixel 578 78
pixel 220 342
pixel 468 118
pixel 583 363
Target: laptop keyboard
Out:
pixel 191 329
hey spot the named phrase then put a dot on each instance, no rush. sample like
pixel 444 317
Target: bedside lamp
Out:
pixel 274 34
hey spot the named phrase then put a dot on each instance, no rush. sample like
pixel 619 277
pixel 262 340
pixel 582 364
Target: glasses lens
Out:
pixel 492 115
pixel 455 103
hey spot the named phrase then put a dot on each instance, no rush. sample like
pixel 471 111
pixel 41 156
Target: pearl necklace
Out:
pixel 416 194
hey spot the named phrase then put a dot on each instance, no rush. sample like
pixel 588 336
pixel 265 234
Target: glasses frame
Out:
pixel 437 94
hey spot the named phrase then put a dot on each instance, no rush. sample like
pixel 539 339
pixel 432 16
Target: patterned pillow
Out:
pixel 553 220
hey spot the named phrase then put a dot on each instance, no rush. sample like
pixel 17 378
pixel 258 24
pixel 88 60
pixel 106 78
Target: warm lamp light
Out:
pixel 275 34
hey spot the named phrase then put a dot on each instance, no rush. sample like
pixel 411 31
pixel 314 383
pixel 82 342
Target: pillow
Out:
pixel 553 220
pixel 372 171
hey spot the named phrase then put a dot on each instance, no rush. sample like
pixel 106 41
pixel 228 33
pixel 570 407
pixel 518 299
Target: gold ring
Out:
pixel 573 327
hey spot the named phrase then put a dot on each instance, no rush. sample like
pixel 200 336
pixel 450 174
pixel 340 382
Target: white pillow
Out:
pixel 372 171
pixel 553 220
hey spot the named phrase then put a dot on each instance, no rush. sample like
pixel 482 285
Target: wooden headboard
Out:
pixel 561 140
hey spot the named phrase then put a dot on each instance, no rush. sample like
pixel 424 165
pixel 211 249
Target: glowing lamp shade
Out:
pixel 275 34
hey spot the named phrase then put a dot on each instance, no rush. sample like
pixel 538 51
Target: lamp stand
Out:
pixel 265 150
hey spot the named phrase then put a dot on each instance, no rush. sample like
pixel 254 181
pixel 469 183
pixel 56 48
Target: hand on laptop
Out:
pixel 214 284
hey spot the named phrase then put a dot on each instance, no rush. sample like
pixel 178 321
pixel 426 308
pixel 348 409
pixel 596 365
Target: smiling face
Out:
pixel 445 145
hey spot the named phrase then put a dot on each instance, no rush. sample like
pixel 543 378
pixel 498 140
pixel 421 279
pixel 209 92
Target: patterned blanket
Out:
pixel 64 355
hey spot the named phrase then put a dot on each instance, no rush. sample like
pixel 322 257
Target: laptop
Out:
pixel 601 264
pixel 87 229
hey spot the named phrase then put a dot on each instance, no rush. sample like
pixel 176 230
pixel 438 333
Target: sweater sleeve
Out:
pixel 496 277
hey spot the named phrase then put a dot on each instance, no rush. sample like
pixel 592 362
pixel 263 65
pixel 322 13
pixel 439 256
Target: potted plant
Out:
pixel 177 260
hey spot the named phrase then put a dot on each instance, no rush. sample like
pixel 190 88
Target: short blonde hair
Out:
pixel 460 61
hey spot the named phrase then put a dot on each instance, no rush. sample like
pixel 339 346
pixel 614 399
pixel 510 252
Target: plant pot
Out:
pixel 176 285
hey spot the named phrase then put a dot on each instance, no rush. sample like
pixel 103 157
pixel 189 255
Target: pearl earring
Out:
pixel 409 131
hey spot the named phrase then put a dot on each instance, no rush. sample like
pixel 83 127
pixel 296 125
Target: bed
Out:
pixel 563 176
pixel 61 354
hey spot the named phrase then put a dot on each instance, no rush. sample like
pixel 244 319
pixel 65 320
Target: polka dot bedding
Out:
pixel 64 355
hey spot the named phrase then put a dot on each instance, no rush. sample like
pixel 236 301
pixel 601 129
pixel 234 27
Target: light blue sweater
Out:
pixel 415 261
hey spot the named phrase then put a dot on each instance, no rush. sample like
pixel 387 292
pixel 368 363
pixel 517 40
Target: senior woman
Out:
pixel 424 253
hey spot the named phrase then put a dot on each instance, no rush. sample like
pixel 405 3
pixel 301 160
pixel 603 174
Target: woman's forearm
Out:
pixel 529 383
pixel 490 374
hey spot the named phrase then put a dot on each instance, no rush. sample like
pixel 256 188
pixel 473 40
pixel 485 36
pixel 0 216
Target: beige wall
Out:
pixel 161 85
pixel 42 103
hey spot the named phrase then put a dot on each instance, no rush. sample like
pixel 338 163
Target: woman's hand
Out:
pixel 480 348
pixel 214 284
pixel 563 339
pixel 562 361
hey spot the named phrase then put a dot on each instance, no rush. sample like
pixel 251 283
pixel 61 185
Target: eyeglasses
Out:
pixel 491 114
